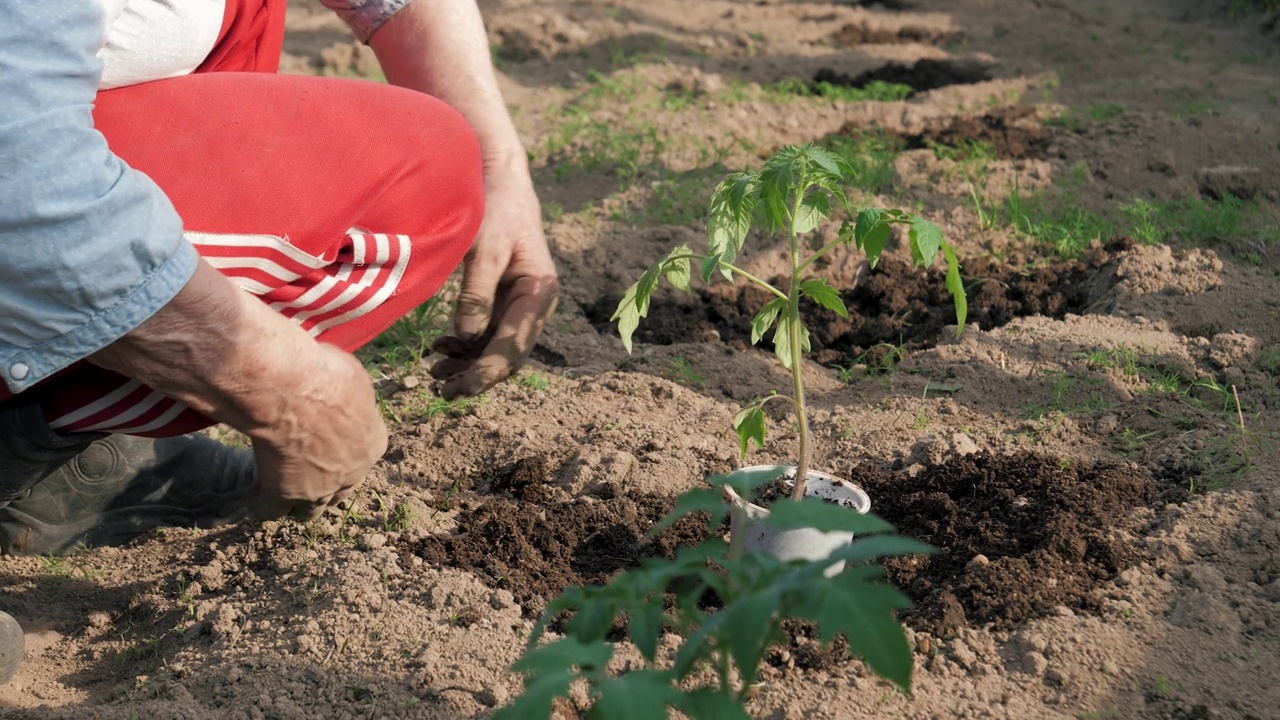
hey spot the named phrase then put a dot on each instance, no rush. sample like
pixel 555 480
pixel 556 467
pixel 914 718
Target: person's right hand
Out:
pixel 308 407
pixel 327 438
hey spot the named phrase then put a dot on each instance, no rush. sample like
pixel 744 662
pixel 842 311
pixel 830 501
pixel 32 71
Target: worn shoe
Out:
pixel 29 450
pixel 12 642
pixel 120 486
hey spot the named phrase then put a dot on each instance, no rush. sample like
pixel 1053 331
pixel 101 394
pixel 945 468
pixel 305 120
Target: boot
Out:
pixel 12 642
pixel 113 487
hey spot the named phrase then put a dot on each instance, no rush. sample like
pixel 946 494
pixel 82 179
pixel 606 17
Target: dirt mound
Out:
pixel 1017 536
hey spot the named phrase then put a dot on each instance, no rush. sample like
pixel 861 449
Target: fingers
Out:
pixel 480 277
pixel 530 301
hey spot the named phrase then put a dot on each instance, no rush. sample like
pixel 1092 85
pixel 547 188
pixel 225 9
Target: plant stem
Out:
pixel 797 360
pixel 819 253
pixel 737 270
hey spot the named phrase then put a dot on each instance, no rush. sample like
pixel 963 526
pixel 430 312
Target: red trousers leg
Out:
pixel 342 203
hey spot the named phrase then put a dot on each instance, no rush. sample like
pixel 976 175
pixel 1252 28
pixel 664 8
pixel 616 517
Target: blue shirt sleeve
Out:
pixel 89 248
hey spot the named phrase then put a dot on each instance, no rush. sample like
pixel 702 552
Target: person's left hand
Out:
pixel 509 288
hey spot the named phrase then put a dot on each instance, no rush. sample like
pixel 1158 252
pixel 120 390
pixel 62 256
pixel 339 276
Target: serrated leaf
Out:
pixel 539 693
pixel 751 617
pixel 764 319
pixel 707 704
pixel 827 160
pixel 746 482
pixel 593 620
pixel 955 285
pixel 824 517
pixel 690 502
pixel 750 426
pixel 645 625
pixel 813 209
pixel 628 316
pixel 847 233
pixel 645 285
pixel 637 695
pixel 566 652
pixel 676 268
pixel 729 214
pixel 782 340
pixel 865 549
pixel 926 240
pixel 817 290
pixel 776 179
pixel 864 613
pixel 709 265
pixel 872 233
pixel 696 646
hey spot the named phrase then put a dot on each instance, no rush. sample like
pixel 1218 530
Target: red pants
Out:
pixel 341 203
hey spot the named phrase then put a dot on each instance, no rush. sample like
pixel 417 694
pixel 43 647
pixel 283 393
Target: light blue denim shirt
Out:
pixel 90 248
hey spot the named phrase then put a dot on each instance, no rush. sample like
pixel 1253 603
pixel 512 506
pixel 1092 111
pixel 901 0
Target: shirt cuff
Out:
pixel 29 366
pixel 365 16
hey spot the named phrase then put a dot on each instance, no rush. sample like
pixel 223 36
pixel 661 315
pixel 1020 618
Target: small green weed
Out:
pixel 871 156
pixel 683 373
pixel 535 381
pixel 409 339
pixel 875 91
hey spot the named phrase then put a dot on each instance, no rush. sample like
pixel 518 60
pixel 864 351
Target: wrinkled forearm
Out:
pixel 440 47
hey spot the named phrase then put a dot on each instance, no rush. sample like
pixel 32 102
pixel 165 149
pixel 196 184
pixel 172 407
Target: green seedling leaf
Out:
pixel 956 287
pixel 637 695
pixel 881 546
pixel 782 339
pixel 764 319
pixel 697 647
pixel 646 284
pixel 824 517
pixel 751 617
pixel 750 426
pixel 628 316
pixel 709 265
pixel 693 501
pixel 539 692
pixel 593 620
pixel 814 208
pixel 645 625
pixel 926 239
pixel 567 652
pixel 676 267
pixel 729 216
pixel 829 161
pixel 775 186
pixel 707 704
pixel 746 482
pixel 847 232
pixel 819 291
pixel 872 233
pixel 864 613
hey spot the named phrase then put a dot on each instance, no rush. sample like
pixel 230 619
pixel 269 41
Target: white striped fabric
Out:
pixel 317 293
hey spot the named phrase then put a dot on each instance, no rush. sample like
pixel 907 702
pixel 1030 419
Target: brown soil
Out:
pixel 1053 438
pixel 535 547
pixel 1017 536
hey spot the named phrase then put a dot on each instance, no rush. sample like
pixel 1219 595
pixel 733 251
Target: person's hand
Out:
pixel 327 438
pixel 509 288
pixel 308 407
